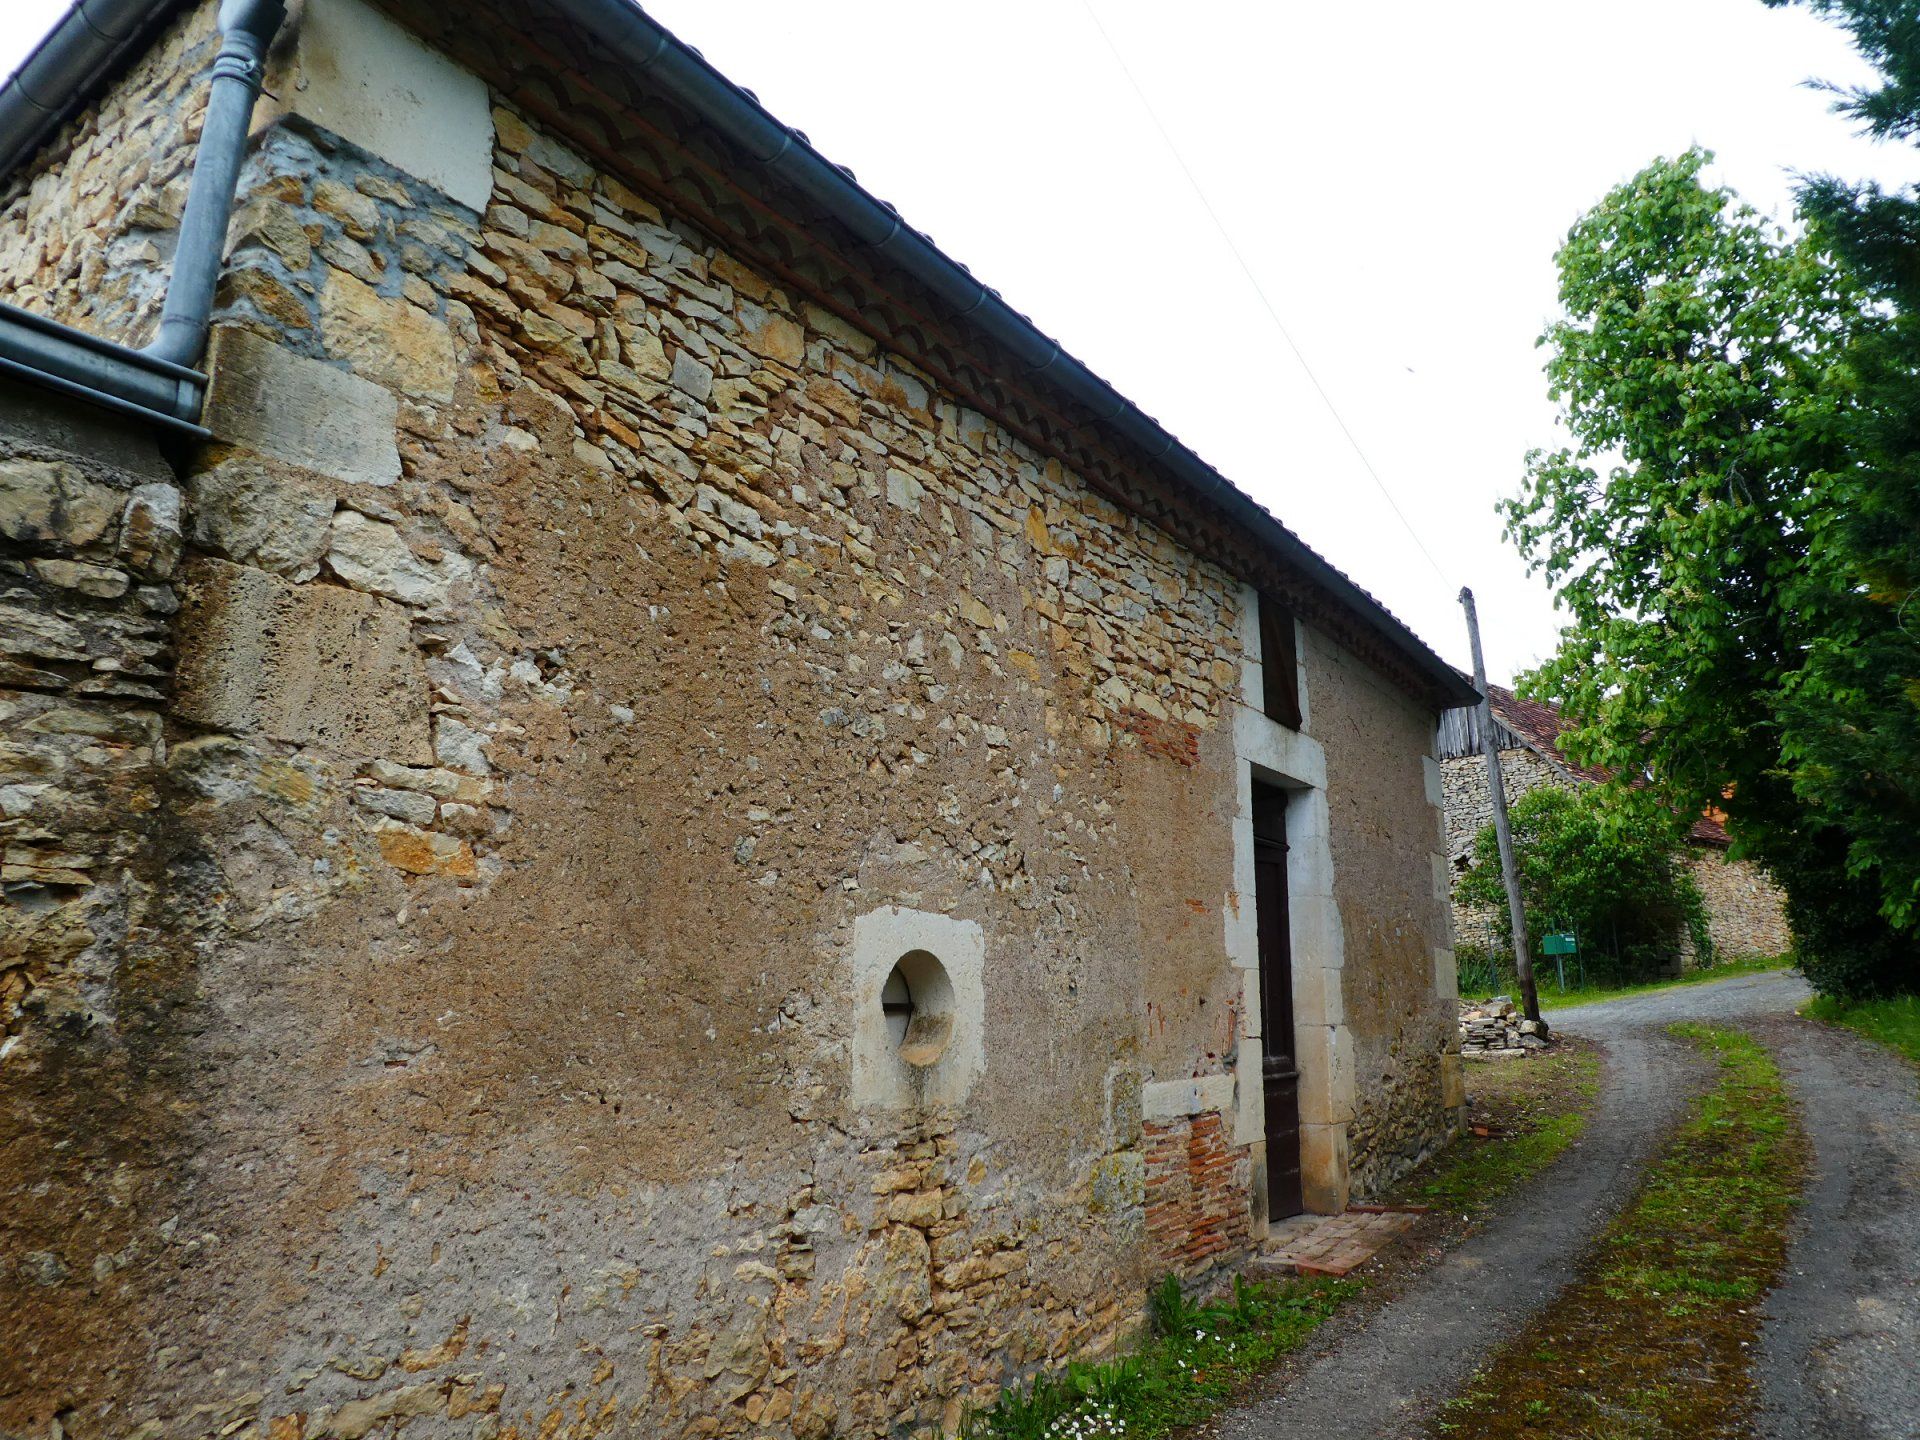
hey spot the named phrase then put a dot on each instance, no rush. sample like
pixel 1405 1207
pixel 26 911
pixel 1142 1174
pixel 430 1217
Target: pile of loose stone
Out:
pixel 1493 1030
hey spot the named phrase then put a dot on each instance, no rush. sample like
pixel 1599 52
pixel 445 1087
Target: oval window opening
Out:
pixel 918 1001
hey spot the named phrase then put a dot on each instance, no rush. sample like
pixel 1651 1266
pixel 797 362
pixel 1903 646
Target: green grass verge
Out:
pixel 1553 999
pixel 1894 1023
pixel 1538 1106
pixel 1654 1339
pixel 1199 1359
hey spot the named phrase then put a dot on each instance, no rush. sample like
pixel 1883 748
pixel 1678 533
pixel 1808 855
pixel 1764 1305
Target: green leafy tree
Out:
pixel 1603 864
pixel 1705 367
pixel 1852 715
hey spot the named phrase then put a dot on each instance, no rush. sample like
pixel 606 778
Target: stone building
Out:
pixel 656 817
pixel 1746 911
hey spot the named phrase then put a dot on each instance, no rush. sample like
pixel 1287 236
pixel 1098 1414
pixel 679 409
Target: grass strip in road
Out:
pixel 1552 999
pixel 1653 1339
pixel 1531 1109
pixel 1200 1358
pixel 1893 1023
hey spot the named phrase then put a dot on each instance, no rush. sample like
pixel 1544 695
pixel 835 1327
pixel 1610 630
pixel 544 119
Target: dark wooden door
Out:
pixel 1280 1072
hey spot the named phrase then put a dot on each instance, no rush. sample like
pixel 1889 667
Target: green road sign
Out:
pixel 1560 942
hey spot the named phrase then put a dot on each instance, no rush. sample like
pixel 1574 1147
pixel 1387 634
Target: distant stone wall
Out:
pixel 1469 807
pixel 1746 911
pixel 1469 799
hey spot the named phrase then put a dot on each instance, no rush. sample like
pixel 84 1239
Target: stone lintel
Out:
pixel 1176 1099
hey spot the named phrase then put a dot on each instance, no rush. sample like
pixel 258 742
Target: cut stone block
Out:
pixel 307 413
pixel 311 664
pixel 369 81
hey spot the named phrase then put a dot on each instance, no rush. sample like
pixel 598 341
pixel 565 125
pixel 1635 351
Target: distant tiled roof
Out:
pixel 1540 725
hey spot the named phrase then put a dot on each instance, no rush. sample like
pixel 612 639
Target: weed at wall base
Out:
pixel 1198 1358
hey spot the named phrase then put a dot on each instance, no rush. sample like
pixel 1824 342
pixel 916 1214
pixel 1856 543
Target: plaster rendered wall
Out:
pixel 576 638
pixel 1399 994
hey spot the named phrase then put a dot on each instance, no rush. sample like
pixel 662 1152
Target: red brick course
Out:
pixel 1174 740
pixel 1198 1186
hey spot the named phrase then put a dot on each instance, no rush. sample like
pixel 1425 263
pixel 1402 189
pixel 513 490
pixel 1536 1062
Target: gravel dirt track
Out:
pixel 1840 1351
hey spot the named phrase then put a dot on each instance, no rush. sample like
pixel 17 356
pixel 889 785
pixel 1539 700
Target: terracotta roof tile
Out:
pixel 1541 725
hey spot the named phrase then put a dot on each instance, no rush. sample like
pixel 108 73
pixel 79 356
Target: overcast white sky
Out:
pixel 1397 176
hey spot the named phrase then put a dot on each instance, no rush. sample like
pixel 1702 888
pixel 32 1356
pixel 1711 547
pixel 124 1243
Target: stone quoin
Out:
pixel 476 822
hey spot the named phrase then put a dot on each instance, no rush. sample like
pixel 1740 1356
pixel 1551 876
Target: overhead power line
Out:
pixel 1260 290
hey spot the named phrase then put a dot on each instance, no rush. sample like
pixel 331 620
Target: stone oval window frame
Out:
pixel 879 1075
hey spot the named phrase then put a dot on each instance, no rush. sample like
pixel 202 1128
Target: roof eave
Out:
pixel 97 36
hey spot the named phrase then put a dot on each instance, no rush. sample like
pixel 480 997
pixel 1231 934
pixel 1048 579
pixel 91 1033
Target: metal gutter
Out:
pixel 155 384
pixel 127 381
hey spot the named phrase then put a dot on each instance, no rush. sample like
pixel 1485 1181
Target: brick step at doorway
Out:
pixel 1331 1244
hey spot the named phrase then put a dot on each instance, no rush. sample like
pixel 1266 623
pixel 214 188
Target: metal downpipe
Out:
pixel 247 28
pixel 159 384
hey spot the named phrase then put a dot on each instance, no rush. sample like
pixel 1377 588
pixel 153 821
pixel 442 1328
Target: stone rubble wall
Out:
pixel 88 550
pixel 1407 1115
pixel 87 238
pixel 439 813
pixel 1746 911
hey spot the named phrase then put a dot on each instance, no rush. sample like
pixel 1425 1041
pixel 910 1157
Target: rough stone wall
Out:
pixel 1746 912
pixel 443 918
pixel 1391 888
pixel 101 898
pixel 88 546
pixel 87 230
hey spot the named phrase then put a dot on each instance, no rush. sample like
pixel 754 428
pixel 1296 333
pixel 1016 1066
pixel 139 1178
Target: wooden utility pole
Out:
pixel 1503 832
